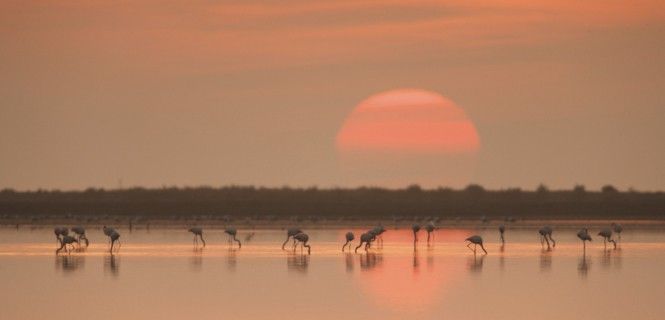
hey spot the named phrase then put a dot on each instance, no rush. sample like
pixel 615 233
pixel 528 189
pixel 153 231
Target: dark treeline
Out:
pixel 470 202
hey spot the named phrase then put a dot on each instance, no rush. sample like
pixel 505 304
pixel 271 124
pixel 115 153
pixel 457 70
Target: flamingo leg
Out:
pixel 204 242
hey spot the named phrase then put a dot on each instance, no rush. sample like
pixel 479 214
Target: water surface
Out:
pixel 159 274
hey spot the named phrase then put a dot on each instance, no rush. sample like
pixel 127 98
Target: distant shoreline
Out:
pixel 313 205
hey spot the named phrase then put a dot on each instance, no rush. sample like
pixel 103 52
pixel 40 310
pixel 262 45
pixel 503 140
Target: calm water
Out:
pixel 158 274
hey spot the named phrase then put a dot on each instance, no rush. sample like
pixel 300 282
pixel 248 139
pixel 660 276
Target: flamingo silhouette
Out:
pixel 114 236
pixel 302 239
pixel 366 238
pixel 584 236
pixel 429 228
pixel 415 227
pixel 198 233
pixel 606 233
pixel 289 234
pixel 502 230
pixel 232 232
pixel 60 232
pixel 378 231
pixel 108 231
pixel 476 241
pixel 546 236
pixel 618 229
pixel 349 237
pixel 66 240
pixel 80 235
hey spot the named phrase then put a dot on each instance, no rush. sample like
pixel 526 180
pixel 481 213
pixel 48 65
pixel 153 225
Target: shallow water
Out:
pixel 158 273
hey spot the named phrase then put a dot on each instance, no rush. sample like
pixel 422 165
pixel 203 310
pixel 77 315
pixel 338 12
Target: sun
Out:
pixel 407 136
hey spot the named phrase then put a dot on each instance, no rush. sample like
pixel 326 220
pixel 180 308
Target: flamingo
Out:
pixel 378 231
pixel 290 233
pixel 606 233
pixel 618 229
pixel 66 240
pixel 349 237
pixel 60 232
pixel 429 228
pixel 232 232
pixel 475 240
pixel 415 227
pixel 546 232
pixel 502 230
pixel 108 231
pixel 198 233
pixel 80 235
pixel 584 236
pixel 366 238
pixel 114 236
pixel 302 238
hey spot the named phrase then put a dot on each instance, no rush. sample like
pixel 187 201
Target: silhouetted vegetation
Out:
pixel 471 202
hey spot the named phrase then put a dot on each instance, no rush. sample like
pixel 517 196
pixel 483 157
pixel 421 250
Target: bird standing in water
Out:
pixel 617 229
pixel 115 237
pixel 607 236
pixel 366 238
pixel 198 233
pixel 502 230
pixel 476 241
pixel 80 235
pixel 66 240
pixel 232 232
pixel 584 236
pixel 349 237
pixel 60 232
pixel 546 236
pixel 302 239
pixel 289 234
pixel 429 228
pixel 415 228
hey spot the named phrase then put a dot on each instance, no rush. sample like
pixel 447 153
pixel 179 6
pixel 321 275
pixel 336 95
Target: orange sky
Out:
pixel 254 92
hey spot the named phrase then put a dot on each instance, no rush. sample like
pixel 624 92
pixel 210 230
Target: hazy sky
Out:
pixel 253 92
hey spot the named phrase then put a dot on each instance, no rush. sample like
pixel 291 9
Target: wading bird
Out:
pixel 114 236
pixel 429 228
pixel 80 235
pixel 415 227
pixel 302 238
pixel 349 237
pixel 617 229
pixel 607 236
pixel 502 230
pixel 289 234
pixel 476 241
pixel 66 240
pixel 378 231
pixel 584 236
pixel 546 235
pixel 108 231
pixel 365 238
pixel 60 232
pixel 198 233
pixel 232 232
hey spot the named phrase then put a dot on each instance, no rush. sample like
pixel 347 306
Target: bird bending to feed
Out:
pixel 606 233
pixel 378 231
pixel 289 234
pixel 584 236
pixel 80 235
pixel 302 239
pixel 60 232
pixel 502 230
pixel 349 237
pixel 66 240
pixel 546 236
pixel 476 241
pixel 198 233
pixel 429 228
pixel 617 229
pixel 108 231
pixel 232 232
pixel 366 238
